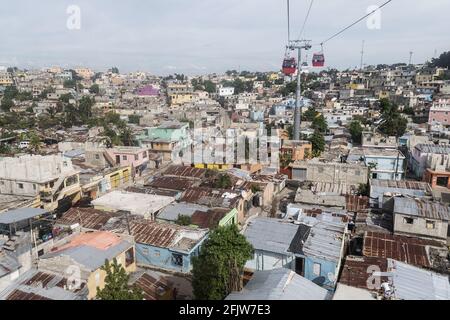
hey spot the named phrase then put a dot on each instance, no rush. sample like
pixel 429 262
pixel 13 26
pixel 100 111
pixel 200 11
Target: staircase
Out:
pixel 109 159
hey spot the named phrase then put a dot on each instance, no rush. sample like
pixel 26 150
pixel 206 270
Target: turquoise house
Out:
pixel 168 139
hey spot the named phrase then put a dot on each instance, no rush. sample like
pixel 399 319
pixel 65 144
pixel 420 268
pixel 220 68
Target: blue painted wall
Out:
pixel 326 268
pixel 148 255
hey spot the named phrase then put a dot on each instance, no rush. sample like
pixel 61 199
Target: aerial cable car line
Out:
pixel 306 19
pixel 354 23
pixel 288 21
pixel 289 63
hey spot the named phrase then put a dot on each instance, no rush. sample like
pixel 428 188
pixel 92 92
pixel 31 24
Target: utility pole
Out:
pixel 298 45
pixel 362 56
pixel 410 57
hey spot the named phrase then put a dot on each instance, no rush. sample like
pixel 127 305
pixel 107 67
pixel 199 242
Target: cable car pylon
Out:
pixel 298 45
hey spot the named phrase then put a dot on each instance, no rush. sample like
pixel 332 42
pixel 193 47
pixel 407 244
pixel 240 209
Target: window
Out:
pixel 136 157
pixel 408 220
pixel 431 224
pixel 97 156
pixel 145 251
pixel 34 187
pixel 177 259
pixel 320 170
pixel 357 173
pixel 316 269
pixel 157 253
pixel 145 154
pixel 124 157
pixel 65 163
pixel 20 185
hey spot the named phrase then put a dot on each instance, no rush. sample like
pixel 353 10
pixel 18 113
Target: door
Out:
pixel 299 266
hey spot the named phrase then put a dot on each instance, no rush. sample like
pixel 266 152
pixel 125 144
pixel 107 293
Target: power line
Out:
pixel 354 23
pixel 306 19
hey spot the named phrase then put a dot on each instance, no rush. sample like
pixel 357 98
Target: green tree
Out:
pixel 85 108
pixel 183 220
pixel 290 132
pixel 65 98
pixel 320 124
pixel 356 131
pixel 94 89
pixel 318 142
pixel 10 93
pixel 443 61
pixel 6 105
pixel 35 142
pixel 116 284
pixel 209 86
pixel 392 122
pixel 115 70
pixel 309 115
pixel 134 118
pixel 223 181
pixel 69 84
pixel 408 111
pixel 217 270
pixel 126 136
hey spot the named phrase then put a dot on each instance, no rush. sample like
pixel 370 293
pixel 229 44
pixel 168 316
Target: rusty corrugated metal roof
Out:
pixel 400 248
pixel 153 288
pixel 171 183
pixel 356 203
pixel 89 218
pixel 355 270
pixel 211 197
pixel 209 219
pixel 184 171
pixel 153 233
pixel 401 184
pixel 20 295
pixel 421 208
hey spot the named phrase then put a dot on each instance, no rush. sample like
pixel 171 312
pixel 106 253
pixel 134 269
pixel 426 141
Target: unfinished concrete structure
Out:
pixel 332 172
pixel 51 177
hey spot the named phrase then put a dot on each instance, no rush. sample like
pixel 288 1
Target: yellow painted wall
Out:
pixel 97 277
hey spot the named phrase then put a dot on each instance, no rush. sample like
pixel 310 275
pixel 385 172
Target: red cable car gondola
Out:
pixel 289 66
pixel 318 60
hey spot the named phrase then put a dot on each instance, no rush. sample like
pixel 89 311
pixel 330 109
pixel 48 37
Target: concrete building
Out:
pixel 375 140
pixel 51 177
pixel 383 190
pixel 421 218
pixel 440 112
pixel 312 248
pixel 146 205
pixel 88 251
pixel 332 172
pixel 433 157
pixel 168 139
pixel 173 251
pixel 385 164
pixel 225 91
pixel 201 216
pixel 296 150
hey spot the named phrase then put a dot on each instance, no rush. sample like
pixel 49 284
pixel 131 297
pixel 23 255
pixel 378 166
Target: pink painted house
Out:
pixel 136 157
pixel 440 112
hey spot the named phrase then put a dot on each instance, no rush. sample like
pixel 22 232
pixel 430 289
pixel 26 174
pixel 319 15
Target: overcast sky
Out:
pixel 202 36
